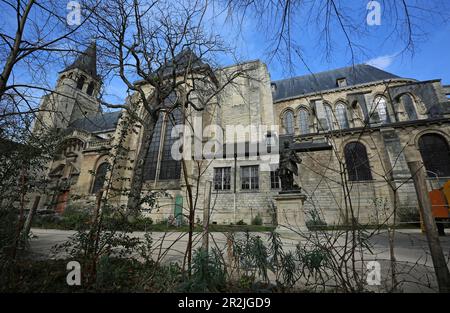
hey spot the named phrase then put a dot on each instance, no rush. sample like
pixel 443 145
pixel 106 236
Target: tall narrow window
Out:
pixel 151 161
pixel 357 115
pixel 303 121
pixel 288 122
pixel 222 178
pixel 100 175
pixel 341 115
pixel 435 155
pixel 170 168
pixel 274 179
pixel 329 117
pixel 250 177
pixel 90 89
pixel 80 82
pixel 408 105
pixel 357 162
pixel 379 110
pixel 271 141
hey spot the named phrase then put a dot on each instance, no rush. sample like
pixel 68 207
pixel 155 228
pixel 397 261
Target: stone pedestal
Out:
pixel 290 214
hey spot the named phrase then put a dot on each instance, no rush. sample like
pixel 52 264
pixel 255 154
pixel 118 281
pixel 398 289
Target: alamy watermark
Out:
pixel 73 278
pixel 74 13
pixel 251 142
pixel 374 14
pixel 374 273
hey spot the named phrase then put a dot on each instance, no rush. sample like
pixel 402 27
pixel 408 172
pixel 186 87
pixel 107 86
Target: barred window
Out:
pixel 100 175
pixel 303 121
pixel 288 122
pixel 435 155
pixel 222 178
pixel 274 179
pixel 250 177
pixel 341 115
pixel 357 162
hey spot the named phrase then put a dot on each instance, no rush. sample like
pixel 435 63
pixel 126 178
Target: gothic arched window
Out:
pixel 80 82
pixel 170 168
pixel 151 161
pixel 341 115
pixel 100 175
pixel 90 89
pixel 408 104
pixel 357 162
pixel 288 122
pixel 357 115
pixel 379 109
pixel 435 155
pixel 329 117
pixel 303 121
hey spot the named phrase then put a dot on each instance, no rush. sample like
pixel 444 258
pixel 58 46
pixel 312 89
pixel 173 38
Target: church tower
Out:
pixel 75 95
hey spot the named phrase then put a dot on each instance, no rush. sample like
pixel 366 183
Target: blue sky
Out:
pixel 381 45
pixel 430 60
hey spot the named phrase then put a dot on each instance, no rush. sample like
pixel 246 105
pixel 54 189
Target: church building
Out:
pixel 354 128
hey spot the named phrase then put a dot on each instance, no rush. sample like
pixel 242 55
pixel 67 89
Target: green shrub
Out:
pixel 241 222
pixel 315 220
pixel 257 220
pixel 208 273
pixel 76 218
pixel 408 215
pixel 8 222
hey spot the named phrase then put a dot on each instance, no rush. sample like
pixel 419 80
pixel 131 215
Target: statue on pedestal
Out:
pixel 288 167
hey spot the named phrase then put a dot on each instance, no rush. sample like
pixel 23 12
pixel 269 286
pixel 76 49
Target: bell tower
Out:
pixel 75 95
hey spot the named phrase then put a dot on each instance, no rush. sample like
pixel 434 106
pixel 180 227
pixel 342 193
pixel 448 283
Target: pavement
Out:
pixel 414 263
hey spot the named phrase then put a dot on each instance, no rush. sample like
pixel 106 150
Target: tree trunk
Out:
pixel 188 254
pixel 206 209
pixel 27 227
pixel 134 197
pixel 440 266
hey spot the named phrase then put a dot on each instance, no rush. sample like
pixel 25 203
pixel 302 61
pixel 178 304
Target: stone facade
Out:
pixel 390 136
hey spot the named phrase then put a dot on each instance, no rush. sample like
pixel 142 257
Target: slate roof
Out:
pixel 86 61
pixel 354 75
pixel 186 59
pixel 96 123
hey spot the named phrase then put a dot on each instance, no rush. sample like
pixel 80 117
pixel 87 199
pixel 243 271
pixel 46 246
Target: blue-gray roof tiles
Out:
pixel 97 123
pixel 317 82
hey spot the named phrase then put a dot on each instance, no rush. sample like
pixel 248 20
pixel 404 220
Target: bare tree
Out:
pixel 161 52
pixel 336 21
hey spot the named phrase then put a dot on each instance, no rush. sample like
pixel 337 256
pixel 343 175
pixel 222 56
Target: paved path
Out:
pixel 411 249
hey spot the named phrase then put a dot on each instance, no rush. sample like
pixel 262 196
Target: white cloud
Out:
pixel 382 62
